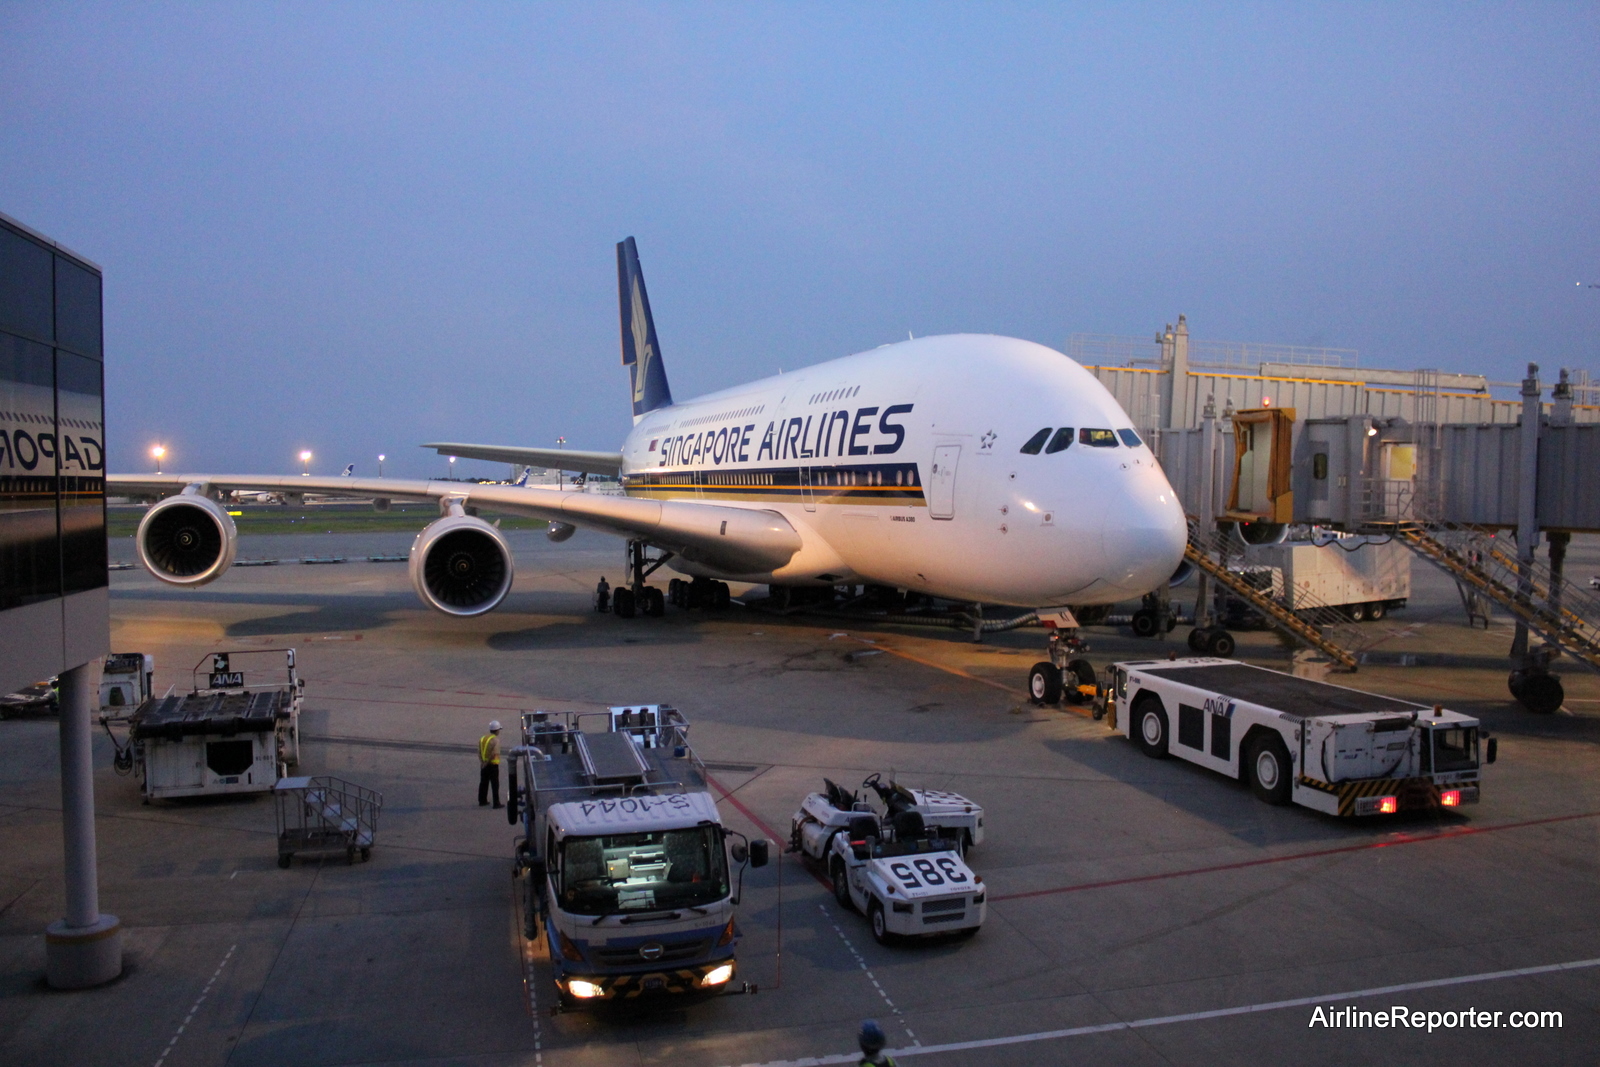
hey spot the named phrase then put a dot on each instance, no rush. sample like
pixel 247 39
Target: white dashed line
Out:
pixel 1195 1016
pixel 195 1007
pixel 900 1016
pixel 530 981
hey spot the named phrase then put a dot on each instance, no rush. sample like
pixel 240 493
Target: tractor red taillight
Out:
pixel 1450 798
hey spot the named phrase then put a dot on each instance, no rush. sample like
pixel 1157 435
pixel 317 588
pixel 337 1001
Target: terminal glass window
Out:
pixel 1061 440
pixel 30 555
pixel 1097 438
pixel 79 448
pixel 652 871
pixel 24 287
pixel 77 308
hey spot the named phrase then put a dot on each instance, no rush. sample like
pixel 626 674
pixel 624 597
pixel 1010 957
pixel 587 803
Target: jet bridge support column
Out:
pixel 1527 507
pixel 84 948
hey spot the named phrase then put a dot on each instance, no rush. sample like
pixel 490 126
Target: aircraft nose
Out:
pixel 1143 534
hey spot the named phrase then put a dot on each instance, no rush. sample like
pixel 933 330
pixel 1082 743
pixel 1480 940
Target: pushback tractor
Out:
pixel 626 866
pixel 1296 740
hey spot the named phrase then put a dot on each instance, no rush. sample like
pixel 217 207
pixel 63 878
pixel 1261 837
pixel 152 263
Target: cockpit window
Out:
pixel 1061 440
pixel 1097 438
pixel 1036 442
pixel 1129 438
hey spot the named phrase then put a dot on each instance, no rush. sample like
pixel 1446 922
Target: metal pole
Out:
pixel 77 799
pixel 1527 503
pixel 85 947
pixel 1208 507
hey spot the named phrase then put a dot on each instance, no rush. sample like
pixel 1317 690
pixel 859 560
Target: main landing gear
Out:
pixel 634 597
pixel 1065 676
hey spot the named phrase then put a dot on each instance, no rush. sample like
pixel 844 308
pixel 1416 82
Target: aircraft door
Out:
pixel 942 490
pixel 807 497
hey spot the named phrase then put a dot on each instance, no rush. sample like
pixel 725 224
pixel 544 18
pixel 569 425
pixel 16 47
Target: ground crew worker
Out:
pixel 489 757
pixel 872 1042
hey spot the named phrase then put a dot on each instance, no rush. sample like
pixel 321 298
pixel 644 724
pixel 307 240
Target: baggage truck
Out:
pixel 1340 751
pixel 627 868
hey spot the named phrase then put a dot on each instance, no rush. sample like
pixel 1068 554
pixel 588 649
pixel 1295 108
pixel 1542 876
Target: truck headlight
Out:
pixel 584 990
pixel 718 975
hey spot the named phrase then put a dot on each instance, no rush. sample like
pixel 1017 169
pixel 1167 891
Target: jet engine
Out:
pixel 460 565
pixel 187 539
pixel 560 531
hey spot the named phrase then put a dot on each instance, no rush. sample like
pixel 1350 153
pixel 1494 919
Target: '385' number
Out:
pixel 933 871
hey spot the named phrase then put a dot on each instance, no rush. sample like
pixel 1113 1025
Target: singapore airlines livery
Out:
pixel 976 468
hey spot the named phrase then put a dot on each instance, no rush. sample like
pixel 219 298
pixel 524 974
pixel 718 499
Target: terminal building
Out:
pixel 54 597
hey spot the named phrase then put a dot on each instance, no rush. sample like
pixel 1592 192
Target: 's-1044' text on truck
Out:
pixel 1338 750
pixel 627 866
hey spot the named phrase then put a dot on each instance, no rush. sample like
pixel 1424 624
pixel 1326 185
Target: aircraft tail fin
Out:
pixel 349 470
pixel 641 353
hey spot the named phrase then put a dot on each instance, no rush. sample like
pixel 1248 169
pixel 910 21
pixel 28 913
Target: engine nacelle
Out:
pixel 560 531
pixel 187 539
pixel 460 565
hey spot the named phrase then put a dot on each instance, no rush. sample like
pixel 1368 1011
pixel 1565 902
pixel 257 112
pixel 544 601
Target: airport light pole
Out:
pixel 158 452
pixel 305 463
pixel 380 464
pixel 451 469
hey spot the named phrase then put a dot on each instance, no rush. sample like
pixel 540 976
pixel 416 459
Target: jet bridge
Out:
pixel 1445 490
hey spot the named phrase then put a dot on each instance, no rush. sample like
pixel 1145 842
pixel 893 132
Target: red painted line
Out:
pixel 410 703
pixel 769 831
pixel 1441 836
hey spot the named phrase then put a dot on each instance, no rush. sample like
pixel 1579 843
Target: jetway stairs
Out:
pixel 1569 619
pixel 1310 621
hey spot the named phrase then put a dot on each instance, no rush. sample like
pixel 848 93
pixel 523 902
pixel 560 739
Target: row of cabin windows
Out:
pixel 1051 440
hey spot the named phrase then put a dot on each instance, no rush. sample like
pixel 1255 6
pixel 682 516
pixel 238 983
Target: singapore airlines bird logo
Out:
pixel 641 343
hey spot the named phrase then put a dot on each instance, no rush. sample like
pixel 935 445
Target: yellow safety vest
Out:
pixel 489 748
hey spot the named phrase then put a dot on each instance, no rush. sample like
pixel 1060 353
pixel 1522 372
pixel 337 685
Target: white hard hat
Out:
pixel 494 724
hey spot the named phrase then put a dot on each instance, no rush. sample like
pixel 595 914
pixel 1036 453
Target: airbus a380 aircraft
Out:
pixel 976 468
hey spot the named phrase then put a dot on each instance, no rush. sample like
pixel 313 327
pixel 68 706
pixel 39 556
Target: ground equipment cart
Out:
pixel 324 815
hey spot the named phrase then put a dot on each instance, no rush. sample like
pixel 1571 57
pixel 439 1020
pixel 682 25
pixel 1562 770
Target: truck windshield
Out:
pixel 1455 748
pixel 642 872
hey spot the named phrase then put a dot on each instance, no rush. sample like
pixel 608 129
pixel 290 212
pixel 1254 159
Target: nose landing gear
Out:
pixel 1065 676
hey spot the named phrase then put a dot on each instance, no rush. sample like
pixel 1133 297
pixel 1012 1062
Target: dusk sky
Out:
pixel 352 228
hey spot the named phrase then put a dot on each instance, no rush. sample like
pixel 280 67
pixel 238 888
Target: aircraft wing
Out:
pixel 564 459
pixel 737 540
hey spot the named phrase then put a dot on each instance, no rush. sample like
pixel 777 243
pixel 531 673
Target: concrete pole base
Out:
pixel 77 957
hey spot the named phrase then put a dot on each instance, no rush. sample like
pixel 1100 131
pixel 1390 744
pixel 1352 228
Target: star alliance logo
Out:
pixel 986 442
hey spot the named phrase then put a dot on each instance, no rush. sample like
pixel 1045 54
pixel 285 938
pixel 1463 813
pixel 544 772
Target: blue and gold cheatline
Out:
pixel 862 483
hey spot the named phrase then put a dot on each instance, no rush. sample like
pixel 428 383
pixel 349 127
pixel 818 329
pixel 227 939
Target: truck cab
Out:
pixel 628 869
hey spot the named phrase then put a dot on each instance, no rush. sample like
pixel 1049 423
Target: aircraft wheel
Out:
pixel 721 596
pixel 653 603
pixel 1540 693
pixel 1221 644
pixel 622 603
pixel 1145 623
pixel 1197 640
pixel 1078 673
pixel 1044 684
pixel 1150 726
